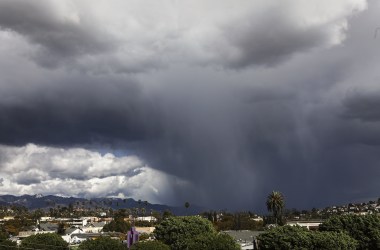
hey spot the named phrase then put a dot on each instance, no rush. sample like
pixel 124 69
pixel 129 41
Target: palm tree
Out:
pixel 187 205
pixel 139 202
pixel 143 211
pixel 135 212
pixel 275 204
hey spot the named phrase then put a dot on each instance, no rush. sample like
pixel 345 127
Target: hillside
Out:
pixel 38 201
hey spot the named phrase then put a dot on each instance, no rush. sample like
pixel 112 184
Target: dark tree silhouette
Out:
pixel 275 204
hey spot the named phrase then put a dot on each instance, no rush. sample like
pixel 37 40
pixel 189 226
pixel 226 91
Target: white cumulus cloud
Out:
pixel 80 172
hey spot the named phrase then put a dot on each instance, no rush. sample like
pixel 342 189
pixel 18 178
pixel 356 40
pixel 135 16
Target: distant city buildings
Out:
pixel 78 230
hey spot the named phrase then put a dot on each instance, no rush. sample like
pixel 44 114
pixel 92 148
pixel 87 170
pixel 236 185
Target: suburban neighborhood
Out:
pixel 85 224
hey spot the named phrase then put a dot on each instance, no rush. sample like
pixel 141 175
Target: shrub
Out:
pixel 297 238
pixel 7 244
pixel 44 241
pixel 364 229
pixel 143 236
pixel 285 237
pixel 212 241
pixel 102 243
pixel 117 225
pixel 175 231
pixel 150 245
pixel 333 240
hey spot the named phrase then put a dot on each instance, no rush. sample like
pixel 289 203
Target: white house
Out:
pixel 69 236
pixel 147 218
pixel 94 227
pixel 311 225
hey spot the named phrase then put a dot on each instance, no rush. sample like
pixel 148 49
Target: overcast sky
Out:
pixel 215 102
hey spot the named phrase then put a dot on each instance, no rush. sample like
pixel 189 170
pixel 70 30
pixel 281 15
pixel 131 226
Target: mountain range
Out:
pixel 39 201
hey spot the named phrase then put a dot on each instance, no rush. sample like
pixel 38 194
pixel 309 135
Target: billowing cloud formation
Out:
pixel 79 172
pixel 129 36
pixel 229 99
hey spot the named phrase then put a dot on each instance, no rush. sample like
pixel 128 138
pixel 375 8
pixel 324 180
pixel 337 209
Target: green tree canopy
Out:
pixel 365 229
pixel 49 241
pixel 117 225
pixel 175 231
pixel 4 242
pixel 7 244
pixel 102 243
pixel 150 245
pixel 3 233
pixel 297 238
pixel 212 241
pixel 167 214
pixel 333 240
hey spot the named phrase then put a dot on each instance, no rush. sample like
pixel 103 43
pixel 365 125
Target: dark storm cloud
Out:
pixel 27 178
pixel 363 107
pixel 76 111
pixel 58 37
pixel 229 136
pixel 274 42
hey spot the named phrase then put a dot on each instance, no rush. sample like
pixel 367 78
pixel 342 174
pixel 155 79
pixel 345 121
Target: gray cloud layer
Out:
pixel 234 100
pixel 132 38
